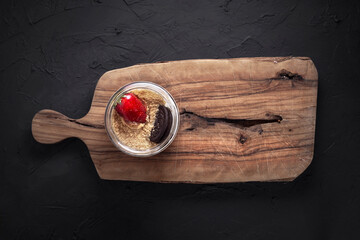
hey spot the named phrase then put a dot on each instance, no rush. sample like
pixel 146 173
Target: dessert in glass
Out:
pixel 142 119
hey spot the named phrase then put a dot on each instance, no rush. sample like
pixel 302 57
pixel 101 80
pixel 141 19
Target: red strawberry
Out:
pixel 131 108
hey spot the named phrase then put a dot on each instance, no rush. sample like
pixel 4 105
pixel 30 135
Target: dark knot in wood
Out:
pixel 242 139
pixel 285 74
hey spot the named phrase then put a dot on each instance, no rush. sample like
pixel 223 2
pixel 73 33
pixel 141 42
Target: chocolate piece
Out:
pixel 167 131
pixel 162 125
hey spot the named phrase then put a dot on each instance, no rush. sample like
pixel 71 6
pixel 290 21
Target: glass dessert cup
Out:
pixel 169 103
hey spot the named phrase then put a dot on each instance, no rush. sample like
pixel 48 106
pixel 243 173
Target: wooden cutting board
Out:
pixel 244 119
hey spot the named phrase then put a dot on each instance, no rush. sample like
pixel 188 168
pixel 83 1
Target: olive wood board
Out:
pixel 242 119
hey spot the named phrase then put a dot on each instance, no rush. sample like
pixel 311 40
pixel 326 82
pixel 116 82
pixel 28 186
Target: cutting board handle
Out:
pixel 49 127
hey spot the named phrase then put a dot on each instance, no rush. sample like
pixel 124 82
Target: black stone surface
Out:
pixel 52 54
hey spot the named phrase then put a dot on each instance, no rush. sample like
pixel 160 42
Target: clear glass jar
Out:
pixel 169 102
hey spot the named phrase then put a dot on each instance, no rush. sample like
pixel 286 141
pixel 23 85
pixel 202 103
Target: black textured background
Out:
pixel 52 54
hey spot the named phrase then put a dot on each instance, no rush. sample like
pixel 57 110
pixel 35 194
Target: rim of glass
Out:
pixel 170 102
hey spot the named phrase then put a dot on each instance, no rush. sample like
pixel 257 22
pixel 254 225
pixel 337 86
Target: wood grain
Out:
pixel 245 119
